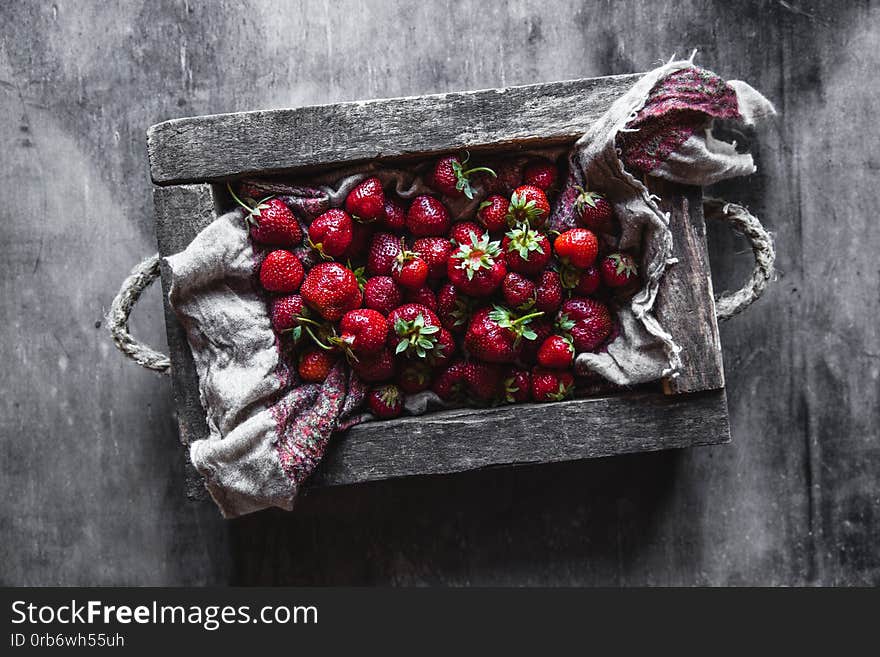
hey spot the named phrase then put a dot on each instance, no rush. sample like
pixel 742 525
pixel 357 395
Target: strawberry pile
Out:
pixel 493 308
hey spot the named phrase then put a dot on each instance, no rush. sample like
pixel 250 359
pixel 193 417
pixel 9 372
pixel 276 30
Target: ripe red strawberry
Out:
pixel 594 211
pixel 271 221
pixel 551 385
pixel 281 271
pixel 526 250
pixel 518 291
pixel 543 328
pixel 375 367
pixel 451 384
pixel 382 293
pixel 453 308
pixel 384 249
pixel 285 313
pixel 495 335
pixel 444 348
pixel 366 202
pixel 315 364
pixel 528 204
pixel 517 385
pixel 395 216
pixel 556 352
pixel 461 232
pixel 362 331
pixel 493 213
pixel 477 268
pixel 540 173
pixel 587 282
pixel 619 270
pixel 450 177
pixel 361 234
pixel 587 321
pixel 435 251
pixel 385 401
pixel 415 376
pixel 427 217
pixel 409 270
pixel 331 290
pixel 548 294
pixel 424 296
pixel 414 330
pixel 577 246
pixel 331 233
pixel 509 177
pixel 483 380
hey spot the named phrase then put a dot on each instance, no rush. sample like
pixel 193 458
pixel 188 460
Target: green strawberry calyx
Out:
pixel 518 325
pixel 389 395
pixel 524 240
pixel 565 324
pixel 462 180
pixel 416 337
pixel 586 198
pixel 253 208
pixel 624 265
pixel 561 392
pixel 523 211
pixel 481 253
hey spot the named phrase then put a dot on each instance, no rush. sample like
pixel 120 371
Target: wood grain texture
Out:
pixel 228 145
pixel 469 439
pixel 89 453
pixel 685 303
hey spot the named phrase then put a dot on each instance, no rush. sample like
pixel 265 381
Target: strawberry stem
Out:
pixel 476 169
pixel 525 318
pixel 238 200
pixel 316 340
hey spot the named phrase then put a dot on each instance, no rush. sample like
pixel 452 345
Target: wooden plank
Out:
pixel 226 145
pixel 685 303
pixel 181 212
pixel 446 442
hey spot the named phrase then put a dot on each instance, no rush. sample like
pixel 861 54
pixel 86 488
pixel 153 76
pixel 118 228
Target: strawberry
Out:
pixel 394 218
pixel 528 205
pixel 285 313
pixel 551 385
pixel 451 384
pixel 526 250
pixel 493 213
pixel 281 271
pixel 271 221
pixel 384 249
pixel 453 308
pixel 619 270
pixel 435 251
pixel 444 347
pixel 556 352
pixel 366 202
pixel 361 234
pixel 578 247
pixel 477 268
pixel 331 233
pixel 331 290
pixel 375 367
pixel 414 330
pixel 518 291
pixel 409 270
pixel 427 217
pixel 385 401
pixel 543 328
pixel 548 294
pixel 586 282
pixel 540 173
pixel 483 380
pixel 587 321
pixel 509 177
pixel 460 233
pixel 424 296
pixel 450 177
pixel 382 293
pixel 315 364
pixel 362 331
pixel 517 385
pixel 496 334
pixel 594 211
pixel 415 376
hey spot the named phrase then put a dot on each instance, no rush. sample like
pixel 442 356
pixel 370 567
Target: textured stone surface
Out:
pixel 89 471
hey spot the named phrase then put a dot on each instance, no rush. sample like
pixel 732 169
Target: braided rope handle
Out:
pixel 141 277
pixel 727 304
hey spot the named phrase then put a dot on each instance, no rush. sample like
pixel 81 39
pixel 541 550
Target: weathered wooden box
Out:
pixel 189 158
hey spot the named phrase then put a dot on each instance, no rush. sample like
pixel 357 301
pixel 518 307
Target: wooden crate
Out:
pixel 189 158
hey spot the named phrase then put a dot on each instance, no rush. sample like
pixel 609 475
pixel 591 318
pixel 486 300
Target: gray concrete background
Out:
pixel 90 475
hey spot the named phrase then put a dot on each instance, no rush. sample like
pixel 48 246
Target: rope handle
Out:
pixel 727 304
pixel 141 277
